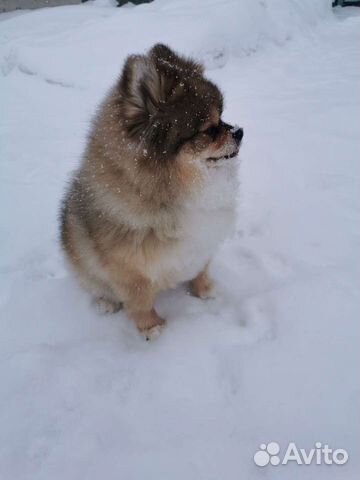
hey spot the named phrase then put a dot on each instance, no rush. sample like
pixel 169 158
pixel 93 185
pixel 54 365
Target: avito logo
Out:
pixel 270 454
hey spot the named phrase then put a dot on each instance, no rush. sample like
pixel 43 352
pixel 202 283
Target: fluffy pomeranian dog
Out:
pixel 155 194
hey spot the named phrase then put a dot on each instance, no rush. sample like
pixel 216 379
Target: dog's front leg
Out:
pixel 202 286
pixel 138 295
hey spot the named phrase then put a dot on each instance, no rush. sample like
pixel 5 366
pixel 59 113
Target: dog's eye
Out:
pixel 212 132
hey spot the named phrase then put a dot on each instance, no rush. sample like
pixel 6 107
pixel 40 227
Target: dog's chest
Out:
pixel 203 226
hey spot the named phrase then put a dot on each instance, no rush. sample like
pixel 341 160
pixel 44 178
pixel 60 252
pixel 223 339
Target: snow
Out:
pixel 273 357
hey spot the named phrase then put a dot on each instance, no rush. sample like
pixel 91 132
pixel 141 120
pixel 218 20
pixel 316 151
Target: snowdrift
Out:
pixel 97 36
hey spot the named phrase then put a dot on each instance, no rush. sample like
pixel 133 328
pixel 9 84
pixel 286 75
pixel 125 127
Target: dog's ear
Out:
pixel 172 64
pixel 141 89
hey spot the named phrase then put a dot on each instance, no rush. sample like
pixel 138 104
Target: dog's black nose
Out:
pixel 238 135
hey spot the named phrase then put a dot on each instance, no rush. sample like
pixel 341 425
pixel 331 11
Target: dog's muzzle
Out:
pixel 237 133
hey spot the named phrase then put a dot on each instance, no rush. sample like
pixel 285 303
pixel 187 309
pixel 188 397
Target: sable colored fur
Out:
pixel 155 193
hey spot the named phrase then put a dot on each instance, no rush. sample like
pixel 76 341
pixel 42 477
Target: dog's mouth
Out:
pixel 223 157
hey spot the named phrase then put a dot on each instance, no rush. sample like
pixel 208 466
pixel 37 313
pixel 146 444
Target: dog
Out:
pixel 155 194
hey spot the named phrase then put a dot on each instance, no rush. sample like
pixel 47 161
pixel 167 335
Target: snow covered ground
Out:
pixel 275 356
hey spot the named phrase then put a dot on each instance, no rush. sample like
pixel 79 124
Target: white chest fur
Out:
pixel 208 217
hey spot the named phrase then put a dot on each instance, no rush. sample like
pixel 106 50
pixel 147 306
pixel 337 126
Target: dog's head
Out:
pixel 169 108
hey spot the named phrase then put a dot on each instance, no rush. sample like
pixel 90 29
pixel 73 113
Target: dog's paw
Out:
pixel 106 306
pixel 148 323
pixel 152 333
pixel 207 292
pixel 202 287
